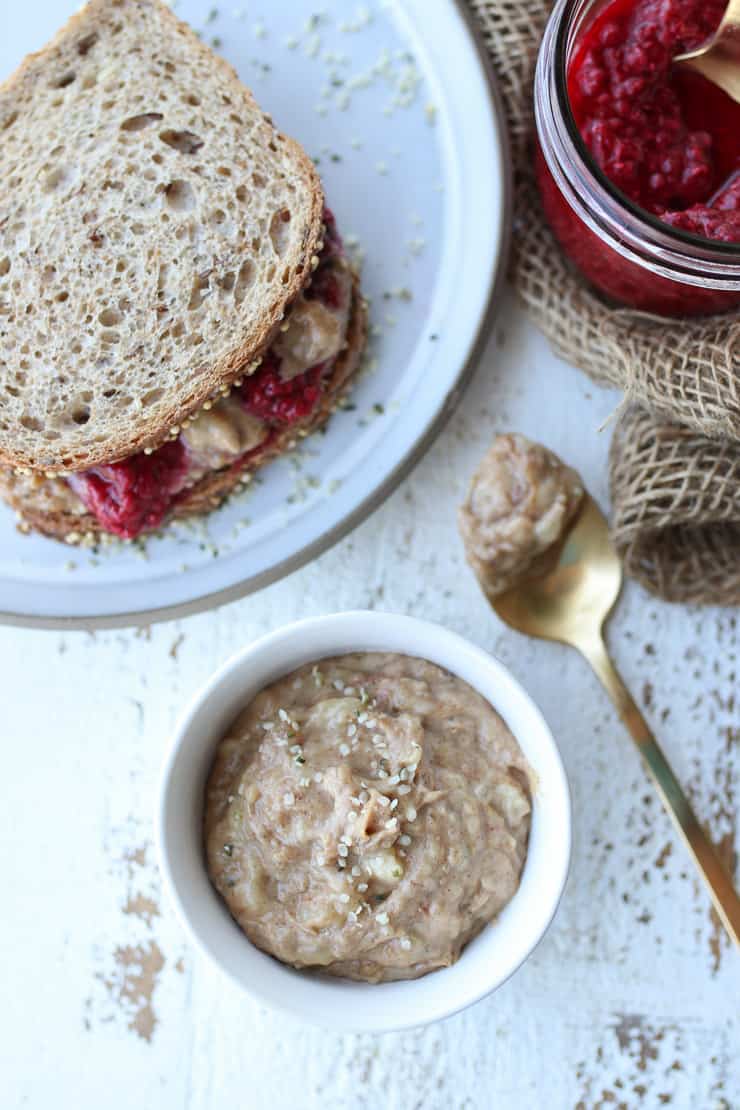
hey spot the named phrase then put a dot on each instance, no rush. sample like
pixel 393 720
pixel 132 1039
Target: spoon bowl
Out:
pixel 719 59
pixel 571 601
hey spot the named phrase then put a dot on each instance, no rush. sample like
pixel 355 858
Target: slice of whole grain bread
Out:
pixel 211 490
pixel 154 227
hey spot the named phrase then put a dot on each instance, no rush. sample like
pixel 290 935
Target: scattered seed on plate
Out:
pixel 313 46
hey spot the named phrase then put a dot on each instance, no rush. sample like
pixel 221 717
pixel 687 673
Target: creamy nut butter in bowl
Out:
pixel 364 821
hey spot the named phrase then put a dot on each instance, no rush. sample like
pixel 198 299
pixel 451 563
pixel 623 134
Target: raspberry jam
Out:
pixel 662 135
pixel 275 401
pixel 133 496
pixel 136 494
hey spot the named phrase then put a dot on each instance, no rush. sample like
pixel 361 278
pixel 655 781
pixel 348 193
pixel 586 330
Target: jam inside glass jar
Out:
pixel 658 226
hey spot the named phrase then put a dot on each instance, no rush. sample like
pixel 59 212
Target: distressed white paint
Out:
pixel 86 720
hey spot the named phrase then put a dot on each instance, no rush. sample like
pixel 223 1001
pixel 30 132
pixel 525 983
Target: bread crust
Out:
pixel 247 350
pixel 210 491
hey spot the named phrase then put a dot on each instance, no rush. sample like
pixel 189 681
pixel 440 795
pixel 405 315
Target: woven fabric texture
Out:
pixel 676 517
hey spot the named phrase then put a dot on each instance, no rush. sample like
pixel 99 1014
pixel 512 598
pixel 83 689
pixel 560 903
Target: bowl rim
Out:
pixel 442 641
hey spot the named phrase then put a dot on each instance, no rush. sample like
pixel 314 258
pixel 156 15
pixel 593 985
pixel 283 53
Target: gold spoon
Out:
pixel 719 59
pixel 569 603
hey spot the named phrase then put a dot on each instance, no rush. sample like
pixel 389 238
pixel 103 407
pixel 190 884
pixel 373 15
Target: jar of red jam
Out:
pixel 638 161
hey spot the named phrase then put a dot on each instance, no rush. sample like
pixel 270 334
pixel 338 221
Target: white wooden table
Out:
pixel 632 999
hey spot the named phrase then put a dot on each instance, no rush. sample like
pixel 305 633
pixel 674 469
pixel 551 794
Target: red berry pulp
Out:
pixel 134 495
pixel 664 136
pixel 275 401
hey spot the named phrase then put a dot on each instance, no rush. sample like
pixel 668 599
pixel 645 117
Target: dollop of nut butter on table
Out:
pixel 521 501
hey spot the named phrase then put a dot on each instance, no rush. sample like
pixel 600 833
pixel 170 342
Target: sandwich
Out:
pixel 176 304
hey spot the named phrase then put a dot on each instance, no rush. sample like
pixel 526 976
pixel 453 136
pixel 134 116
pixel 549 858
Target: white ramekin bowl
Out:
pixel 339 1004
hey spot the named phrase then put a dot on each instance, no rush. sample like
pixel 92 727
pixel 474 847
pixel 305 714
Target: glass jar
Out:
pixel 628 254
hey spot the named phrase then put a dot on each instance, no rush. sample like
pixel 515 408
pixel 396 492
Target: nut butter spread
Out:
pixel 521 500
pixel 367 816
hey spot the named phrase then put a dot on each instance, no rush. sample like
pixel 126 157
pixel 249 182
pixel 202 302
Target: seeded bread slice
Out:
pixel 154 227
pixel 210 491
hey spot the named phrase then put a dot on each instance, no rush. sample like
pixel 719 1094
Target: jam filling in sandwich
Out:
pixel 136 494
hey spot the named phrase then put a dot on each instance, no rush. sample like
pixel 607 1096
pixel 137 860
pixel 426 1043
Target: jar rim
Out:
pixel 561 19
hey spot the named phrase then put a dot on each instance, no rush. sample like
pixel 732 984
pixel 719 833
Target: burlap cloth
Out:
pixel 675 456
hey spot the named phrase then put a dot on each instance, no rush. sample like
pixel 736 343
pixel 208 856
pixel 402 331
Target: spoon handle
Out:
pixel 723 894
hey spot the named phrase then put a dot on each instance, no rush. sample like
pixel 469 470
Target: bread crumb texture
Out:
pixel 154 226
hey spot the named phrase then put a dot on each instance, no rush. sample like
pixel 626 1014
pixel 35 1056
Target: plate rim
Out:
pixel 370 504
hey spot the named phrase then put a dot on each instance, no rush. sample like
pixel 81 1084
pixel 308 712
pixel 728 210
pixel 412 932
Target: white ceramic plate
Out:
pixel 395 102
